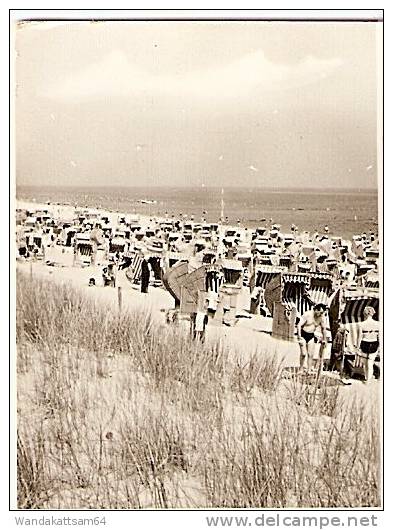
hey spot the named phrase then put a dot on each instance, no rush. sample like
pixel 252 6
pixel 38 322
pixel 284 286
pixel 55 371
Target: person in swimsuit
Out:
pixel 338 354
pixel 368 341
pixel 309 322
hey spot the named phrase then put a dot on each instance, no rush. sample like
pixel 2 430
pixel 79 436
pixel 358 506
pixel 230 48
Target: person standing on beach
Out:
pixel 338 354
pixel 200 322
pixel 145 276
pixel 368 342
pixel 308 324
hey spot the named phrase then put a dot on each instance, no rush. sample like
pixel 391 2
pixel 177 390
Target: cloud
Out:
pixel 115 76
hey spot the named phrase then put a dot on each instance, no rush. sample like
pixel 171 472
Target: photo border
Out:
pixel 12 183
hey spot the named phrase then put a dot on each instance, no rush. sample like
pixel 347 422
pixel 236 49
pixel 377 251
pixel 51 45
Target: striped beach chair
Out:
pixel 287 292
pixel 307 289
pixel 263 274
pixel 347 308
pixel 214 279
pixel 133 273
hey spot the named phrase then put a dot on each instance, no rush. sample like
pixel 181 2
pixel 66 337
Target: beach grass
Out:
pixel 117 411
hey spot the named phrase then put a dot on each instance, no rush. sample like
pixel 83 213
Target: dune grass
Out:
pixel 117 411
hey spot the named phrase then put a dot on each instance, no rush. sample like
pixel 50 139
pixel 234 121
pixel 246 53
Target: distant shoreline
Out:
pixel 345 212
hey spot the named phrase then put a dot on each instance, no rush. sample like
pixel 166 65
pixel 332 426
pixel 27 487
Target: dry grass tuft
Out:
pixel 117 412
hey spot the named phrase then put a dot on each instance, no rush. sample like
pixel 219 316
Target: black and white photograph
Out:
pixel 197 250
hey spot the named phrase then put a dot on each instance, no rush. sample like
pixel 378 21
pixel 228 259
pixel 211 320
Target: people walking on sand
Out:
pixel 145 275
pixel 255 302
pixel 308 324
pixel 201 320
pixel 368 342
pixel 338 355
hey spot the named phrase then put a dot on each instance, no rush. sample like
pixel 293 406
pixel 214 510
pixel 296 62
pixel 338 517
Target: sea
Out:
pixel 345 212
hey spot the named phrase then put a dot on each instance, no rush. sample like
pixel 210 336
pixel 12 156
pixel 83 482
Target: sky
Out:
pixel 267 104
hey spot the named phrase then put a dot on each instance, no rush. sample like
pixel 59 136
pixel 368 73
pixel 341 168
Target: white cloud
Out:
pixel 114 75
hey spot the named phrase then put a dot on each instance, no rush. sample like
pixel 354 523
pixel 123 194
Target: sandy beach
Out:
pixel 66 211
pixel 254 331
pixel 196 267
pixel 248 336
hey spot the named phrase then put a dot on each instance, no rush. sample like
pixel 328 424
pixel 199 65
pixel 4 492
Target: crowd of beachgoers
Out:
pixel 235 268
